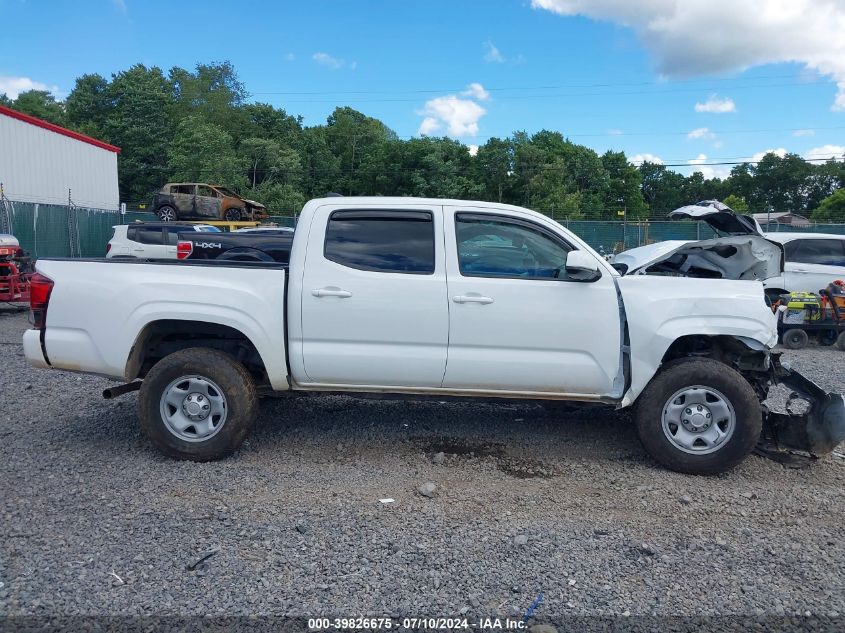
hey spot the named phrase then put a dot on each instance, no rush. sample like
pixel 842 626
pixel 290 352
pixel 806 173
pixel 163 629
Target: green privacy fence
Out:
pixel 47 230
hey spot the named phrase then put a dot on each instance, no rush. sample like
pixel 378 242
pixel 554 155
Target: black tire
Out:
pixel 167 213
pixel 689 372
pixel 827 338
pixel 840 342
pixel 795 339
pixel 236 385
pixel 233 215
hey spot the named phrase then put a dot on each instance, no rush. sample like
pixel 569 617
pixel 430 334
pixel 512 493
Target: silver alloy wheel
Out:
pixel 166 214
pixel 698 420
pixel 193 408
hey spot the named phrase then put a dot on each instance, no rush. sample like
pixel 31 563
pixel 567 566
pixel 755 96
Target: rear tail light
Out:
pixel 108 248
pixel 183 249
pixel 40 287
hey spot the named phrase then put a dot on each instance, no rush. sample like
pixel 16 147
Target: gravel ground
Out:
pixel 529 499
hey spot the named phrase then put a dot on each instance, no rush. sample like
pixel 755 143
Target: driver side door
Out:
pixel 515 323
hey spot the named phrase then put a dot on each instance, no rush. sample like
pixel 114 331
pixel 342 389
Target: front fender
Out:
pixel 661 310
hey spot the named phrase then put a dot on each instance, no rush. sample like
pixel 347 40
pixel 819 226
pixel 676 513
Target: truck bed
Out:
pixel 101 308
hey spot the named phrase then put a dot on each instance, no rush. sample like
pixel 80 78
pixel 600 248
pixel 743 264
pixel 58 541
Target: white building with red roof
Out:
pixel 46 163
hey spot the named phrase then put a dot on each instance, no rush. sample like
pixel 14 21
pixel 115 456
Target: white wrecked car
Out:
pixel 743 253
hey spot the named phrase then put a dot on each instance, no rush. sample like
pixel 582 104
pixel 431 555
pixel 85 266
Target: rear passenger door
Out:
pixel 811 264
pixel 147 242
pixel 374 307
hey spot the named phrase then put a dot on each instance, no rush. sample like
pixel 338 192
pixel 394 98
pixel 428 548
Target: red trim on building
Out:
pixel 58 129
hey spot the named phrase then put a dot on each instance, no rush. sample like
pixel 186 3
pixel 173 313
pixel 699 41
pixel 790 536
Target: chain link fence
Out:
pixel 49 230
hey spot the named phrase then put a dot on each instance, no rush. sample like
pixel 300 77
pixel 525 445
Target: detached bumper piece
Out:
pixel 819 429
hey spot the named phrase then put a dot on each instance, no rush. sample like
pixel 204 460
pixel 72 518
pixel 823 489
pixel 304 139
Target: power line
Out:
pixel 523 168
pixel 567 95
pixel 508 88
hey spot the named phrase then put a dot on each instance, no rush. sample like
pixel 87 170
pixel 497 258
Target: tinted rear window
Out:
pixel 382 241
pixel 814 251
pixel 145 235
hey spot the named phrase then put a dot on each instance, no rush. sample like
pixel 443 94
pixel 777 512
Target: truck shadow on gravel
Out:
pixel 525 440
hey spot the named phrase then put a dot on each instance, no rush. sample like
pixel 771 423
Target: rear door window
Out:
pixel 812 251
pixel 382 241
pixel 148 235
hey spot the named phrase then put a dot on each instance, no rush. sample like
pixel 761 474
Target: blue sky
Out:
pixel 713 82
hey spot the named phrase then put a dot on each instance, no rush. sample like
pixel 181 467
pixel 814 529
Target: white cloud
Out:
pixel 460 116
pixel 716 105
pixel 826 152
pixel 120 5
pixel 473 149
pixel 639 159
pixel 290 57
pixel 13 86
pixel 780 152
pixel 701 132
pixel 615 132
pixel 477 91
pixel 428 126
pixel 335 63
pixel 699 37
pixel 804 133
pixel 493 54
pixel 709 171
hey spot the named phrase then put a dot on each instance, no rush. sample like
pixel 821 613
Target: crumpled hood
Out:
pixel 253 203
pixel 738 257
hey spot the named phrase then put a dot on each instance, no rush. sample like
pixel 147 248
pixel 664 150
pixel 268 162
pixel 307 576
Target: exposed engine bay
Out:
pixel 741 257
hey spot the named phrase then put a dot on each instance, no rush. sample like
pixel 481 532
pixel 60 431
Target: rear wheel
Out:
pixel 166 214
pixel 795 339
pixel 827 337
pixel 698 416
pixel 840 341
pixel 197 404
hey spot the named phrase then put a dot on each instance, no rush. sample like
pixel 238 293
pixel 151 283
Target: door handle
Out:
pixel 799 270
pixel 472 299
pixel 331 292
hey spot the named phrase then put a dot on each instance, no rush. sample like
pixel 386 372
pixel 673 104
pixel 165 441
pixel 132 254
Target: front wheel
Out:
pixel 698 416
pixel 197 404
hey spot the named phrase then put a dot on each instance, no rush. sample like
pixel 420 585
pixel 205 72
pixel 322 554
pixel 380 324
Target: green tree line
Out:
pixel 201 126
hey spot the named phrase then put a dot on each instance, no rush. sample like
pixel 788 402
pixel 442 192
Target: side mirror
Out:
pixel 581 267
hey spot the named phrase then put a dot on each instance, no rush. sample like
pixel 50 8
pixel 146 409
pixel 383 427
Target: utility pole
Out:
pixel 624 222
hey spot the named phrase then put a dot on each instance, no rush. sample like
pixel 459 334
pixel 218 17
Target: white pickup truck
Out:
pixel 422 296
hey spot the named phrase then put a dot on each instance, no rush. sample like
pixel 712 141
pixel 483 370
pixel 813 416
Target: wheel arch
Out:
pixel 163 337
pixel 748 355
